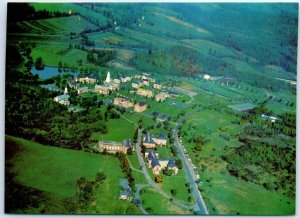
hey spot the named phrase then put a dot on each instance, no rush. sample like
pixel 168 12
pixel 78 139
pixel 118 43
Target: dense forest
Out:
pixel 267 154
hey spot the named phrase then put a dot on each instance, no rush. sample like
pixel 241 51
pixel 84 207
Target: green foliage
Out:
pixel 39 64
pixel 178 163
pixel 270 163
pixel 159 178
pixel 168 172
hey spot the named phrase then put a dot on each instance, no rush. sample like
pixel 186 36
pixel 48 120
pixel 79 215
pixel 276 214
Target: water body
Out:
pixel 49 72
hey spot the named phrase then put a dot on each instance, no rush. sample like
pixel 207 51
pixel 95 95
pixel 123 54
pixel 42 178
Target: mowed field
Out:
pixel 56 170
pixel 118 130
pixel 223 193
pixel 159 205
pixel 57 25
pixel 228 195
pixel 52 55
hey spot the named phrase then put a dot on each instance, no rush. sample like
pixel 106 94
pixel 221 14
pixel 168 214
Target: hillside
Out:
pixel 223 37
pixel 215 84
pixel 53 174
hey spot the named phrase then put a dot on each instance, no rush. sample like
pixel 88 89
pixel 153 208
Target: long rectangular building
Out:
pixel 114 147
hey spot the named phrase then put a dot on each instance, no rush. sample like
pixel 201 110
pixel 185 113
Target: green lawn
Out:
pixel 227 195
pixel 160 205
pixel 164 152
pixel 176 182
pixel 118 130
pixel 134 160
pixel 52 55
pixel 56 170
pixel 139 177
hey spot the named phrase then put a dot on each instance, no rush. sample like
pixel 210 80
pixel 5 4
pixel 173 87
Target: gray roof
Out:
pixel 63 97
pixel 126 192
pixel 124 183
pixel 127 143
pixel 163 116
pixel 101 87
pixel 161 136
pixel 142 103
pixel 135 81
pixel 242 107
pixel 51 87
pixel 171 163
pixel 107 101
pixel 155 162
pixel 148 138
pixel 152 155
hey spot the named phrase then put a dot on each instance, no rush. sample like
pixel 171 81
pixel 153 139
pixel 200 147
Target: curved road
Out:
pixel 144 169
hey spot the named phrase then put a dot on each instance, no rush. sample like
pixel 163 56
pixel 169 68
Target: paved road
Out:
pixel 189 172
pixel 151 183
pixel 137 196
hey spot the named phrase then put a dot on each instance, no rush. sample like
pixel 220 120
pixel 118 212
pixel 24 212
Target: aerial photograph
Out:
pixel 150 108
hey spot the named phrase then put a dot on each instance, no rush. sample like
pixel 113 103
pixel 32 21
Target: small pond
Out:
pixel 49 72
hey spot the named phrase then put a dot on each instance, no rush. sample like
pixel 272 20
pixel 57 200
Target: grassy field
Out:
pixel 176 182
pixel 56 170
pixel 116 130
pixel 158 204
pixel 52 55
pixel 206 47
pixel 58 25
pixel 69 7
pixel 112 38
pixel 225 194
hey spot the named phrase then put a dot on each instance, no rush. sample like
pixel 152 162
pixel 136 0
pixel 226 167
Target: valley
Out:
pixel 158 109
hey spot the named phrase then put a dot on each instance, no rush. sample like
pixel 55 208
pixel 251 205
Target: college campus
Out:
pixel 151 109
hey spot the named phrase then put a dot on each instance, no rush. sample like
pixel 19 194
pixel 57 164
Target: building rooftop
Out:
pixel 127 143
pixel 124 183
pixel 126 192
pixel 161 136
pixel 63 97
pixel 152 155
pixel 155 162
pixel 171 163
pixel 142 104
pixel 148 138
pixel 242 107
pixel 51 87
pixel 101 87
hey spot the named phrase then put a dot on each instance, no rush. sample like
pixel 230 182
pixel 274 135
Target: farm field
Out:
pixel 58 25
pixel 112 38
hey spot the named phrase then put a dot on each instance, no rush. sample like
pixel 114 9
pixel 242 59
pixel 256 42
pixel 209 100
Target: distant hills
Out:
pixel 249 41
